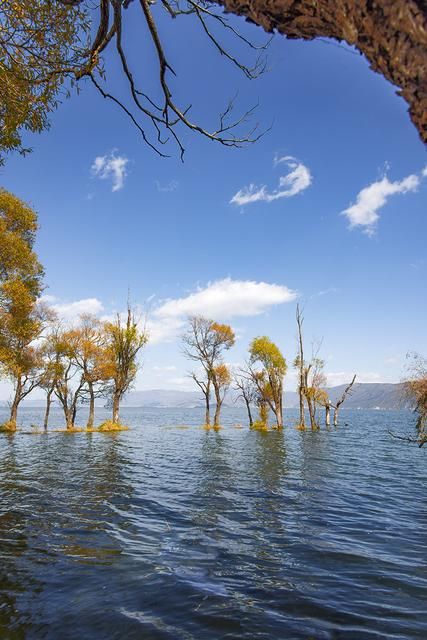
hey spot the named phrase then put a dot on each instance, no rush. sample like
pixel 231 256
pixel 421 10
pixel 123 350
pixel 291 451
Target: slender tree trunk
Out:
pixel 312 414
pixel 116 407
pixel 91 417
pixel 248 408
pixel 328 415
pixel 301 369
pixel 218 406
pixel 47 411
pixel 207 410
pixel 68 412
pixel 15 404
pixel 69 418
pixel 336 416
pixel 279 415
pixel 217 414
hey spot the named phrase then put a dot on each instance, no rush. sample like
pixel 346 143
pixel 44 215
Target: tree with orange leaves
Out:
pixel 204 343
pixel 22 317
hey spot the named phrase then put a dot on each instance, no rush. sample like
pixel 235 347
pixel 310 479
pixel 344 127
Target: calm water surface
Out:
pixel 173 533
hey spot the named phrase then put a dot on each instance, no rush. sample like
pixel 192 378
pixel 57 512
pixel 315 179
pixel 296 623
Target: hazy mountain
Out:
pixel 363 396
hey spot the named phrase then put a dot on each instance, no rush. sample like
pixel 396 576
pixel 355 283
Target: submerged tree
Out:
pixel 91 357
pixel 204 343
pixel 247 391
pixel 22 318
pixel 269 380
pixel 300 365
pixel 416 390
pixel 50 371
pixel 123 342
pixel 221 380
pixel 60 347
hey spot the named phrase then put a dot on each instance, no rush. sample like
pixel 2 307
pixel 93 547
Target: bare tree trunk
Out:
pixel 312 413
pixel 217 415
pixel 336 409
pixel 116 407
pixel 74 413
pixel 207 410
pixel 341 400
pixel 328 414
pixel 69 422
pixel 47 411
pixel 218 406
pixel 91 417
pixel 301 369
pixel 15 404
pixel 279 414
pixel 248 409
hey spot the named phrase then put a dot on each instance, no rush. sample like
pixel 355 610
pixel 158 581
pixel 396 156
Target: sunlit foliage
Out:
pixel 204 343
pixel 21 316
pixel 124 339
pixel 416 390
pixel 269 377
pixel 41 44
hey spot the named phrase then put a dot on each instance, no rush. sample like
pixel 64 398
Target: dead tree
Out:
pixel 338 404
pixel 247 392
pixel 205 386
pixel 300 364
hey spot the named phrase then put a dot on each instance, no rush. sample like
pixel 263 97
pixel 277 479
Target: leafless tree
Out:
pixel 341 400
pixel 247 391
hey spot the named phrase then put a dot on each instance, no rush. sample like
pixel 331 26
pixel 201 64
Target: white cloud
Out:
pixel 222 299
pixel 372 198
pixel 424 172
pixel 70 311
pixel 111 166
pixel 296 180
pixel 227 298
pixel 163 369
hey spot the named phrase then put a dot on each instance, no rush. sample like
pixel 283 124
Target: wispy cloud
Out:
pixel 70 311
pixel 222 299
pixel 295 181
pixel 111 166
pixel 364 213
pixel 167 188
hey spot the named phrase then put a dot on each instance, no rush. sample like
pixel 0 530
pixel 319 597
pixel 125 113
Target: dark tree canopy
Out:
pixel 47 47
pixel 392 34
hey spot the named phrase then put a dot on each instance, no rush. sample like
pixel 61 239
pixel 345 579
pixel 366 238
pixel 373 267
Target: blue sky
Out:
pixel 169 233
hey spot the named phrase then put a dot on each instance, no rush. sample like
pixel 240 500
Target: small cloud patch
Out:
pixel 111 167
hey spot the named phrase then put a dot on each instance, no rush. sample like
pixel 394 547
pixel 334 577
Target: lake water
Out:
pixel 169 532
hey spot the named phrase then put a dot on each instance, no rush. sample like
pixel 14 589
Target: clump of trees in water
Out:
pixel 72 364
pixel 98 359
pixel 260 382
pixel 416 391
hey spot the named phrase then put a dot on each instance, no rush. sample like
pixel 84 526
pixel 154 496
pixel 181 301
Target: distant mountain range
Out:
pixel 363 396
